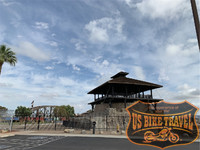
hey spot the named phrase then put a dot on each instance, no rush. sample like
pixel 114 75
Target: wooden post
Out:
pixel 112 91
pixel 196 20
pixel 110 104
pixel 151 94
pixel 44 115
pixel 50 112
pixel 139 93
pixel 125 98
pixel 125 103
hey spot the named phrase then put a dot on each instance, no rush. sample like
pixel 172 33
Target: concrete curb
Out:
pixel 6 135
pixel 74 135
pixel 66 135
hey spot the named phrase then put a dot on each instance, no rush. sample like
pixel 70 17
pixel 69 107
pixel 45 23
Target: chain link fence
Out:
pixel 6 120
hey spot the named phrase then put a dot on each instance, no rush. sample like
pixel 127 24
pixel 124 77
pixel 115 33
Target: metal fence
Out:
pixel 102 123
pixel 38 123
pixel 6 118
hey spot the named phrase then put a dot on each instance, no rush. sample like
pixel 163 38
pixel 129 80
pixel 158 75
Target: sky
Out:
pixel 65 48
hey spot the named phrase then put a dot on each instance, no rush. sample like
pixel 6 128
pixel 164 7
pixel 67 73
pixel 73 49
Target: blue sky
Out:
pixel 65 48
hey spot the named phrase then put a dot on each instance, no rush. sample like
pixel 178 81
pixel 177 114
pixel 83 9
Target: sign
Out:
pixel 162 124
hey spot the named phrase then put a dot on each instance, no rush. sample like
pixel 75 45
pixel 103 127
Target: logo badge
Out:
pixel 162 124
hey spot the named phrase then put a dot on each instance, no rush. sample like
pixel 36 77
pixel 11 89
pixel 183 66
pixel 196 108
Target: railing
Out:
pixel 134 96
pixel 38 124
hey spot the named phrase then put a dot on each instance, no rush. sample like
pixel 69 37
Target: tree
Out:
pixel 23 112
pixel 64 111
pixel 3 111
pixel 6 55
pixel 70 110
pixel 3 108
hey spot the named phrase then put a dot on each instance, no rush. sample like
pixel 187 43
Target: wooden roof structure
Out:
pixel 121 89
pixel 120 82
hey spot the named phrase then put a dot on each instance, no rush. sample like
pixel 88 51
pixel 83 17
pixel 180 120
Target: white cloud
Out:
pixel 41 79
pixel 163 76
pixel 66 81
pixel 5 85
pixel 50 95
pixel 165 9
pixel 26 48
pixel 129 3
pixel 45 89
pixel 53 34
pixel 96 58
pixel 7 3
pixel 49 67
pixel 80 108
pixel 19 69
pixel 97 34
pixel 2 33
pixel 105 63
pixel 79 45
pixel 176 97
pixel 75 67
pixel 139 73
pixel 187 92
pixel 41 25
pixel 19 36
pixel 106 30
pixel 179 55
pixel 173 49
pixel 192 40
pixel 95 64
pixel 53 43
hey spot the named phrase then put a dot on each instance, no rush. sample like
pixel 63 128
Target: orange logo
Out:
pixel 164 135
pixel 162 124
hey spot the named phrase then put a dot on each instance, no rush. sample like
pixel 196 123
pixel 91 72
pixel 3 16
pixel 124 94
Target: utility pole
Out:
pixel 196 20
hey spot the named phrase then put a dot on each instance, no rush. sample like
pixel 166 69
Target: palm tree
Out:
pixel 6 55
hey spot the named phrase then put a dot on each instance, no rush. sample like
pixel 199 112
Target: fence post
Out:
pixel 38 127
pixel 106 123
pixel 73 122
pixel 25 123
pixel 124 122
pixel 55 123
pixel 94 123
pixel 11 123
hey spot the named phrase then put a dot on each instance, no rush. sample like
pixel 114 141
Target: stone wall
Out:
pixel 118 106
pixel 106 118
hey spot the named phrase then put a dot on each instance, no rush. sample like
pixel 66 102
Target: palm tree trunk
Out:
pixel 1 64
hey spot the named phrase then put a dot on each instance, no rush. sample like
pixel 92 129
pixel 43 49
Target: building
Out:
pixel 120 92
pixel 112 97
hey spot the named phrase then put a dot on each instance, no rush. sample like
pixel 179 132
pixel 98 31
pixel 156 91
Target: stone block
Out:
pixel 4 131
pixel 113 132
pixel 123 132
pixel 83 132
pixel 69 130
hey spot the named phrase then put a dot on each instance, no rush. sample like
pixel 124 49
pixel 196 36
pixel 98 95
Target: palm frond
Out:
pixel 7 55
